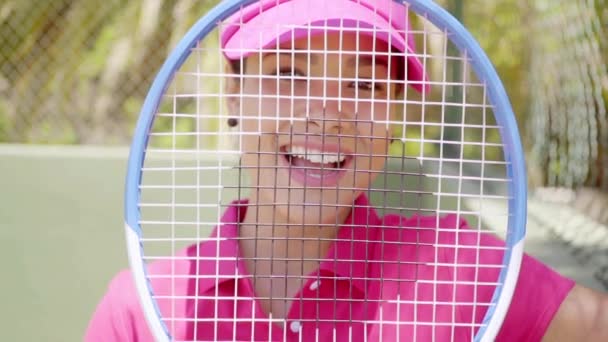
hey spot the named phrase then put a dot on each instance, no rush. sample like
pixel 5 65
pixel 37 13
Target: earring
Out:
pixel 232 122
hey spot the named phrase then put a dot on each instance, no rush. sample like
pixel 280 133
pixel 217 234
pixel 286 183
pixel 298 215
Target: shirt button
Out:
pixel 315 285
pixel 295 326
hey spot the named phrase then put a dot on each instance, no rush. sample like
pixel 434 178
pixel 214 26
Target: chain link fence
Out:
pixel 77 71
pixel 568 123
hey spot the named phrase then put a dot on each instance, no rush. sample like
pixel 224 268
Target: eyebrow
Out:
pixel 364 60
pixel 369 60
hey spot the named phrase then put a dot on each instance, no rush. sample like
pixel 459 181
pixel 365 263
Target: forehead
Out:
pixel 336 41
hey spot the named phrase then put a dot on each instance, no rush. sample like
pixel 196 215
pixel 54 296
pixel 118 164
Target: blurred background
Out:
pixel 74 73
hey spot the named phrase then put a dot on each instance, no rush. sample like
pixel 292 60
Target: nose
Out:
pixel 326 109
pixel 326 120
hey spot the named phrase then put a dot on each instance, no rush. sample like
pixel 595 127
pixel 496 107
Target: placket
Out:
pixel 327 308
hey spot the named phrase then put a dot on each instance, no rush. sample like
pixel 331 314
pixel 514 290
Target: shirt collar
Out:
pixel 347 257
pixel 217 255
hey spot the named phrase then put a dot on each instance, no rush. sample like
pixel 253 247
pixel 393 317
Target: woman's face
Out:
pixel 313 116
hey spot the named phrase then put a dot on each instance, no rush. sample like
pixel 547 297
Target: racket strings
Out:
pixel 443 156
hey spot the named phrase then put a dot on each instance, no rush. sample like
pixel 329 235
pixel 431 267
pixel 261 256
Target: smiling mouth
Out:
pixel 303 157
pixel 313 166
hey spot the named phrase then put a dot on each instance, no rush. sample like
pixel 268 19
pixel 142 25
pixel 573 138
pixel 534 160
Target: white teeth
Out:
pixel 316 156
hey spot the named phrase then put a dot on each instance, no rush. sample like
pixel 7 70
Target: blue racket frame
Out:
pixel 485 71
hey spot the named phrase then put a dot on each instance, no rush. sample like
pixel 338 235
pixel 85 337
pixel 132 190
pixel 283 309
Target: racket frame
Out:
pixel 484 70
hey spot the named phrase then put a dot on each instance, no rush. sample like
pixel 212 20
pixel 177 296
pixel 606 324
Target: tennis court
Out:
pixel 61 234
pixel 61 230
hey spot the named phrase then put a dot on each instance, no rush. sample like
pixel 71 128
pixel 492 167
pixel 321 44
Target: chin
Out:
pixel 311 215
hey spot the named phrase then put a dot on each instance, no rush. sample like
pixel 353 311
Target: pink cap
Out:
pixel 257 26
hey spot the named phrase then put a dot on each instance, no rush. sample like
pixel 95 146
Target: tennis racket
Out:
pixel 326 170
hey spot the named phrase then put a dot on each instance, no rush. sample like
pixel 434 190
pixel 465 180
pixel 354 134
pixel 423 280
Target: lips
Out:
pixel 319 165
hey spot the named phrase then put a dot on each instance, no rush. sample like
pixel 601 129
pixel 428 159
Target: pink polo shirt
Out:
pixel 403 272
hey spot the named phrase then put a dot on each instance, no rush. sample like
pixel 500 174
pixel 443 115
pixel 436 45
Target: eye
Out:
pixel 368 85
pixel 288 74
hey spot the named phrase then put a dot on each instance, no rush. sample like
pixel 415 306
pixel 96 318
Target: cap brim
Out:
pixel 294 19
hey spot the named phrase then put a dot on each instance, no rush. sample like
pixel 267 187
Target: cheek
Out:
pixel 372 122
pixel 260 113
pixel 379 146
pixel 378 109
pixel 258 152
pixel 380 135
pixel 252 162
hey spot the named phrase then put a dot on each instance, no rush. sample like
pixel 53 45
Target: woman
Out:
pixel 305 256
